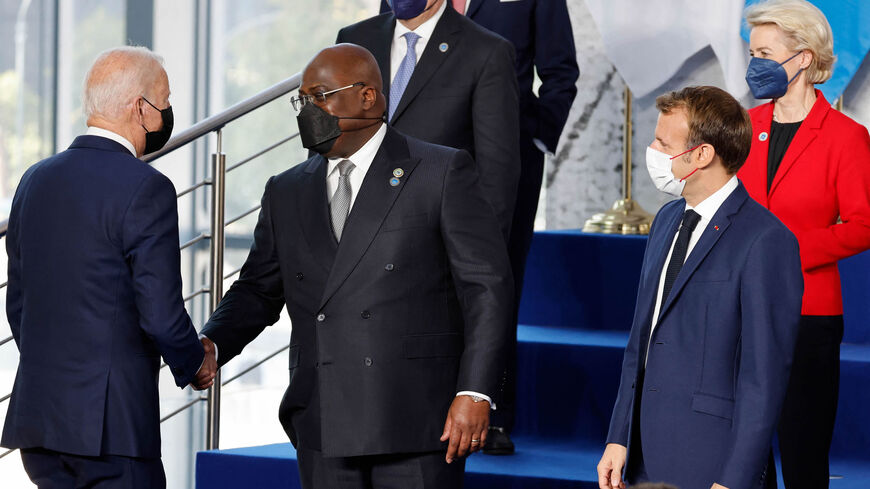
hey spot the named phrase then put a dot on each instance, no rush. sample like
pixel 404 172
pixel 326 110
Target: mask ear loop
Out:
pixel 681 154
pixel 798 71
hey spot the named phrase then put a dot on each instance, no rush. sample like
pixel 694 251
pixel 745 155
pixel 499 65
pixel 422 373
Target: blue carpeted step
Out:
pixel 538 464
pixel 568 379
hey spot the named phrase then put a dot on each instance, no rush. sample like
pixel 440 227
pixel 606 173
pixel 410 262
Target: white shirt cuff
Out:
pixel 478 394
pixel 543 147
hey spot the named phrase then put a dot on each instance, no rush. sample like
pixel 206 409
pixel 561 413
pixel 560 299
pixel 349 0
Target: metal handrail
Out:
pixel 7 452
pixel 192 403
pixel 201 237
pixel 243 215
pixel 255 365
pixel 188 190
pixel 262 152
pixel 10 337
pixel 5 398
pixel 218 121
pixel 4 226
pixel 237 270
pixel 202 290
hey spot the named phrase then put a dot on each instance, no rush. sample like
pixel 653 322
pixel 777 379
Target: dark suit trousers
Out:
pixel 806 425
pixel 522 231
pixel 55 470
pixel 399 471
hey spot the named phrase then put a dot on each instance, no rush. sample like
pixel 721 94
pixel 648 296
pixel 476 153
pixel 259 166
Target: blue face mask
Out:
pixel 407 9
pixel 767 78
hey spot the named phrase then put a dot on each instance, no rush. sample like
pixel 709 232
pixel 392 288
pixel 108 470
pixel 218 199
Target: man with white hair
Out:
pixel 94 296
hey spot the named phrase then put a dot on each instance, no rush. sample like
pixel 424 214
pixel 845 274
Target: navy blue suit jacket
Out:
pixel 720 356
pixel 541 33
pixel 94 300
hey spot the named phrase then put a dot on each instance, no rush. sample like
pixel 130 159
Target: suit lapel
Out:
pixel 381 44
pixel 314 204
pixel 761 143
pixel 473 7
pixel 717 227
pixel 658 254
pixel 805 135
pixel 375 199
pixel 447 32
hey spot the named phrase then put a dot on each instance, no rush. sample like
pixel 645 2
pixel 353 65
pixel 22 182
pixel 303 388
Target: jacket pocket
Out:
pixel 712 405
pixel 433 345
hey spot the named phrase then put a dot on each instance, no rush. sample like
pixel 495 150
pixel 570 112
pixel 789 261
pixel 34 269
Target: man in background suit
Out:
pixel 455 87
pixel 718 306
pixel 396 278
pixel 94 296
pixel 541 33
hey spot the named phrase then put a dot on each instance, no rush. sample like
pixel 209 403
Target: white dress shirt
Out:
pixel 400 46
pixel 706 209
pixel 361 160
pixel 105 133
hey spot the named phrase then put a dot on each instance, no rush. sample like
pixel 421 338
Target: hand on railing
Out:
pixel 207 372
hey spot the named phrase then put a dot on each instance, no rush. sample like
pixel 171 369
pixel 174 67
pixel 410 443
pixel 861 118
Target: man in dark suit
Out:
pixel 396 279
pixel 541 33
pixel 456 87
pixel 719 301
pixel 94 296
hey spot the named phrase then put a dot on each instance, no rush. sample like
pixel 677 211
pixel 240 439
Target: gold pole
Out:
pixel 626 216
pixel 839 103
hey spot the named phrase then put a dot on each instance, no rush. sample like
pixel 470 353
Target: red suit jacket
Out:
pixel 824 175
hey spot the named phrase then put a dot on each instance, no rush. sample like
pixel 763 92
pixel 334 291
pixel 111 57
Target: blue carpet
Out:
pixel 576 312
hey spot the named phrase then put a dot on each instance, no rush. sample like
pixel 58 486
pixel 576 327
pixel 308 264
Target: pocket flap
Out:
pixel 716 406
pixel 433 345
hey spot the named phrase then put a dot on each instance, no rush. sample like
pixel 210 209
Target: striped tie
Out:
pixel 403 76
pixel 339 205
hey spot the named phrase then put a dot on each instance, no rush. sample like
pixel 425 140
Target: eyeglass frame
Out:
pixel 300 101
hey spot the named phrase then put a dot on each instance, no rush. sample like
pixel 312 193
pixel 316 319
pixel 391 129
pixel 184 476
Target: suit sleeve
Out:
pixel 620 419
pixel 556 64
pixel 255 300
pixel 482 276
pixel 150 243
pixel 13 285
pixel 385 7
pixel 825 246
pixel 770 299
pixel 496 126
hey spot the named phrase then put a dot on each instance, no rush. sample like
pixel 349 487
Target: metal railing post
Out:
pixel 218 200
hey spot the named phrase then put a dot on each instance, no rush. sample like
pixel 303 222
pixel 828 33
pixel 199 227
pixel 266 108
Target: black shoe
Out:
pixel 498 442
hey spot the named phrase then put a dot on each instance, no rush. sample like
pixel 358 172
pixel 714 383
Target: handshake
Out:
pixel 208 370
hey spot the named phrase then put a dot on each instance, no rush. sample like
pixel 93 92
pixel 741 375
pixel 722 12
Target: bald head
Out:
pixel 345 64
pixel 118 77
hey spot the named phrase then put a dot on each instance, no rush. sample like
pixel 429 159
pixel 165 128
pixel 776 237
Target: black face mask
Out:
pixel 154 140
pixel 318 129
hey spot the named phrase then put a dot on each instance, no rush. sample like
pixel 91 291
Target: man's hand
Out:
pixel 466 425
pixel 610 467
pixel 717 486
pixel 205 377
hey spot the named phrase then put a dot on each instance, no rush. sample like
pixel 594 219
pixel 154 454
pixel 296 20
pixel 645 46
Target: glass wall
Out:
pixel 217 53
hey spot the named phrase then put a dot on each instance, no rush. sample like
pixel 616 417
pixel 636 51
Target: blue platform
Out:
pixel 576 312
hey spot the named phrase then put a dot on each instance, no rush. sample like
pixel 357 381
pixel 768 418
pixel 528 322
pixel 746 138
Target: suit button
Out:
pixel 368 362
pixel 389 267
pixel 366 315
pixel 299 276
pixel 321 317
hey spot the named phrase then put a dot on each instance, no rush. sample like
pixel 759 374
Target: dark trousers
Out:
pixel 55 470
pixel 400 471
pixel 522 231
pixel 806 425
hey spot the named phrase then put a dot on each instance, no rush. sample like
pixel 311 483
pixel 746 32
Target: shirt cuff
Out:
pixel 478 394
pixel 543 147
pixel 215 348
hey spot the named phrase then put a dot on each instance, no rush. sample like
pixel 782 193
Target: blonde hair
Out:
pixel 805 27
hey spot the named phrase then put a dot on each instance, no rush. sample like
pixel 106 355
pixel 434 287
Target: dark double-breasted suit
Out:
pixel 410 308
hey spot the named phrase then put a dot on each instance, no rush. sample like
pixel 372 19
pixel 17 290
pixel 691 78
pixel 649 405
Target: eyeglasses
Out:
pixel 302 100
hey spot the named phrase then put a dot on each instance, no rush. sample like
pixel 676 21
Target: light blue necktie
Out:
pixel 403 76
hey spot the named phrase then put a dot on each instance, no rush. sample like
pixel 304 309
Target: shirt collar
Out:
pixel 709 206
pixel 364 156
pixel 425 29
pixel 105 133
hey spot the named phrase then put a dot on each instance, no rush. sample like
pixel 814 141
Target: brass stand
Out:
pixel 626 216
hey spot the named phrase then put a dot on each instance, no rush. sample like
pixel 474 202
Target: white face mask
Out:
pixel 659 166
